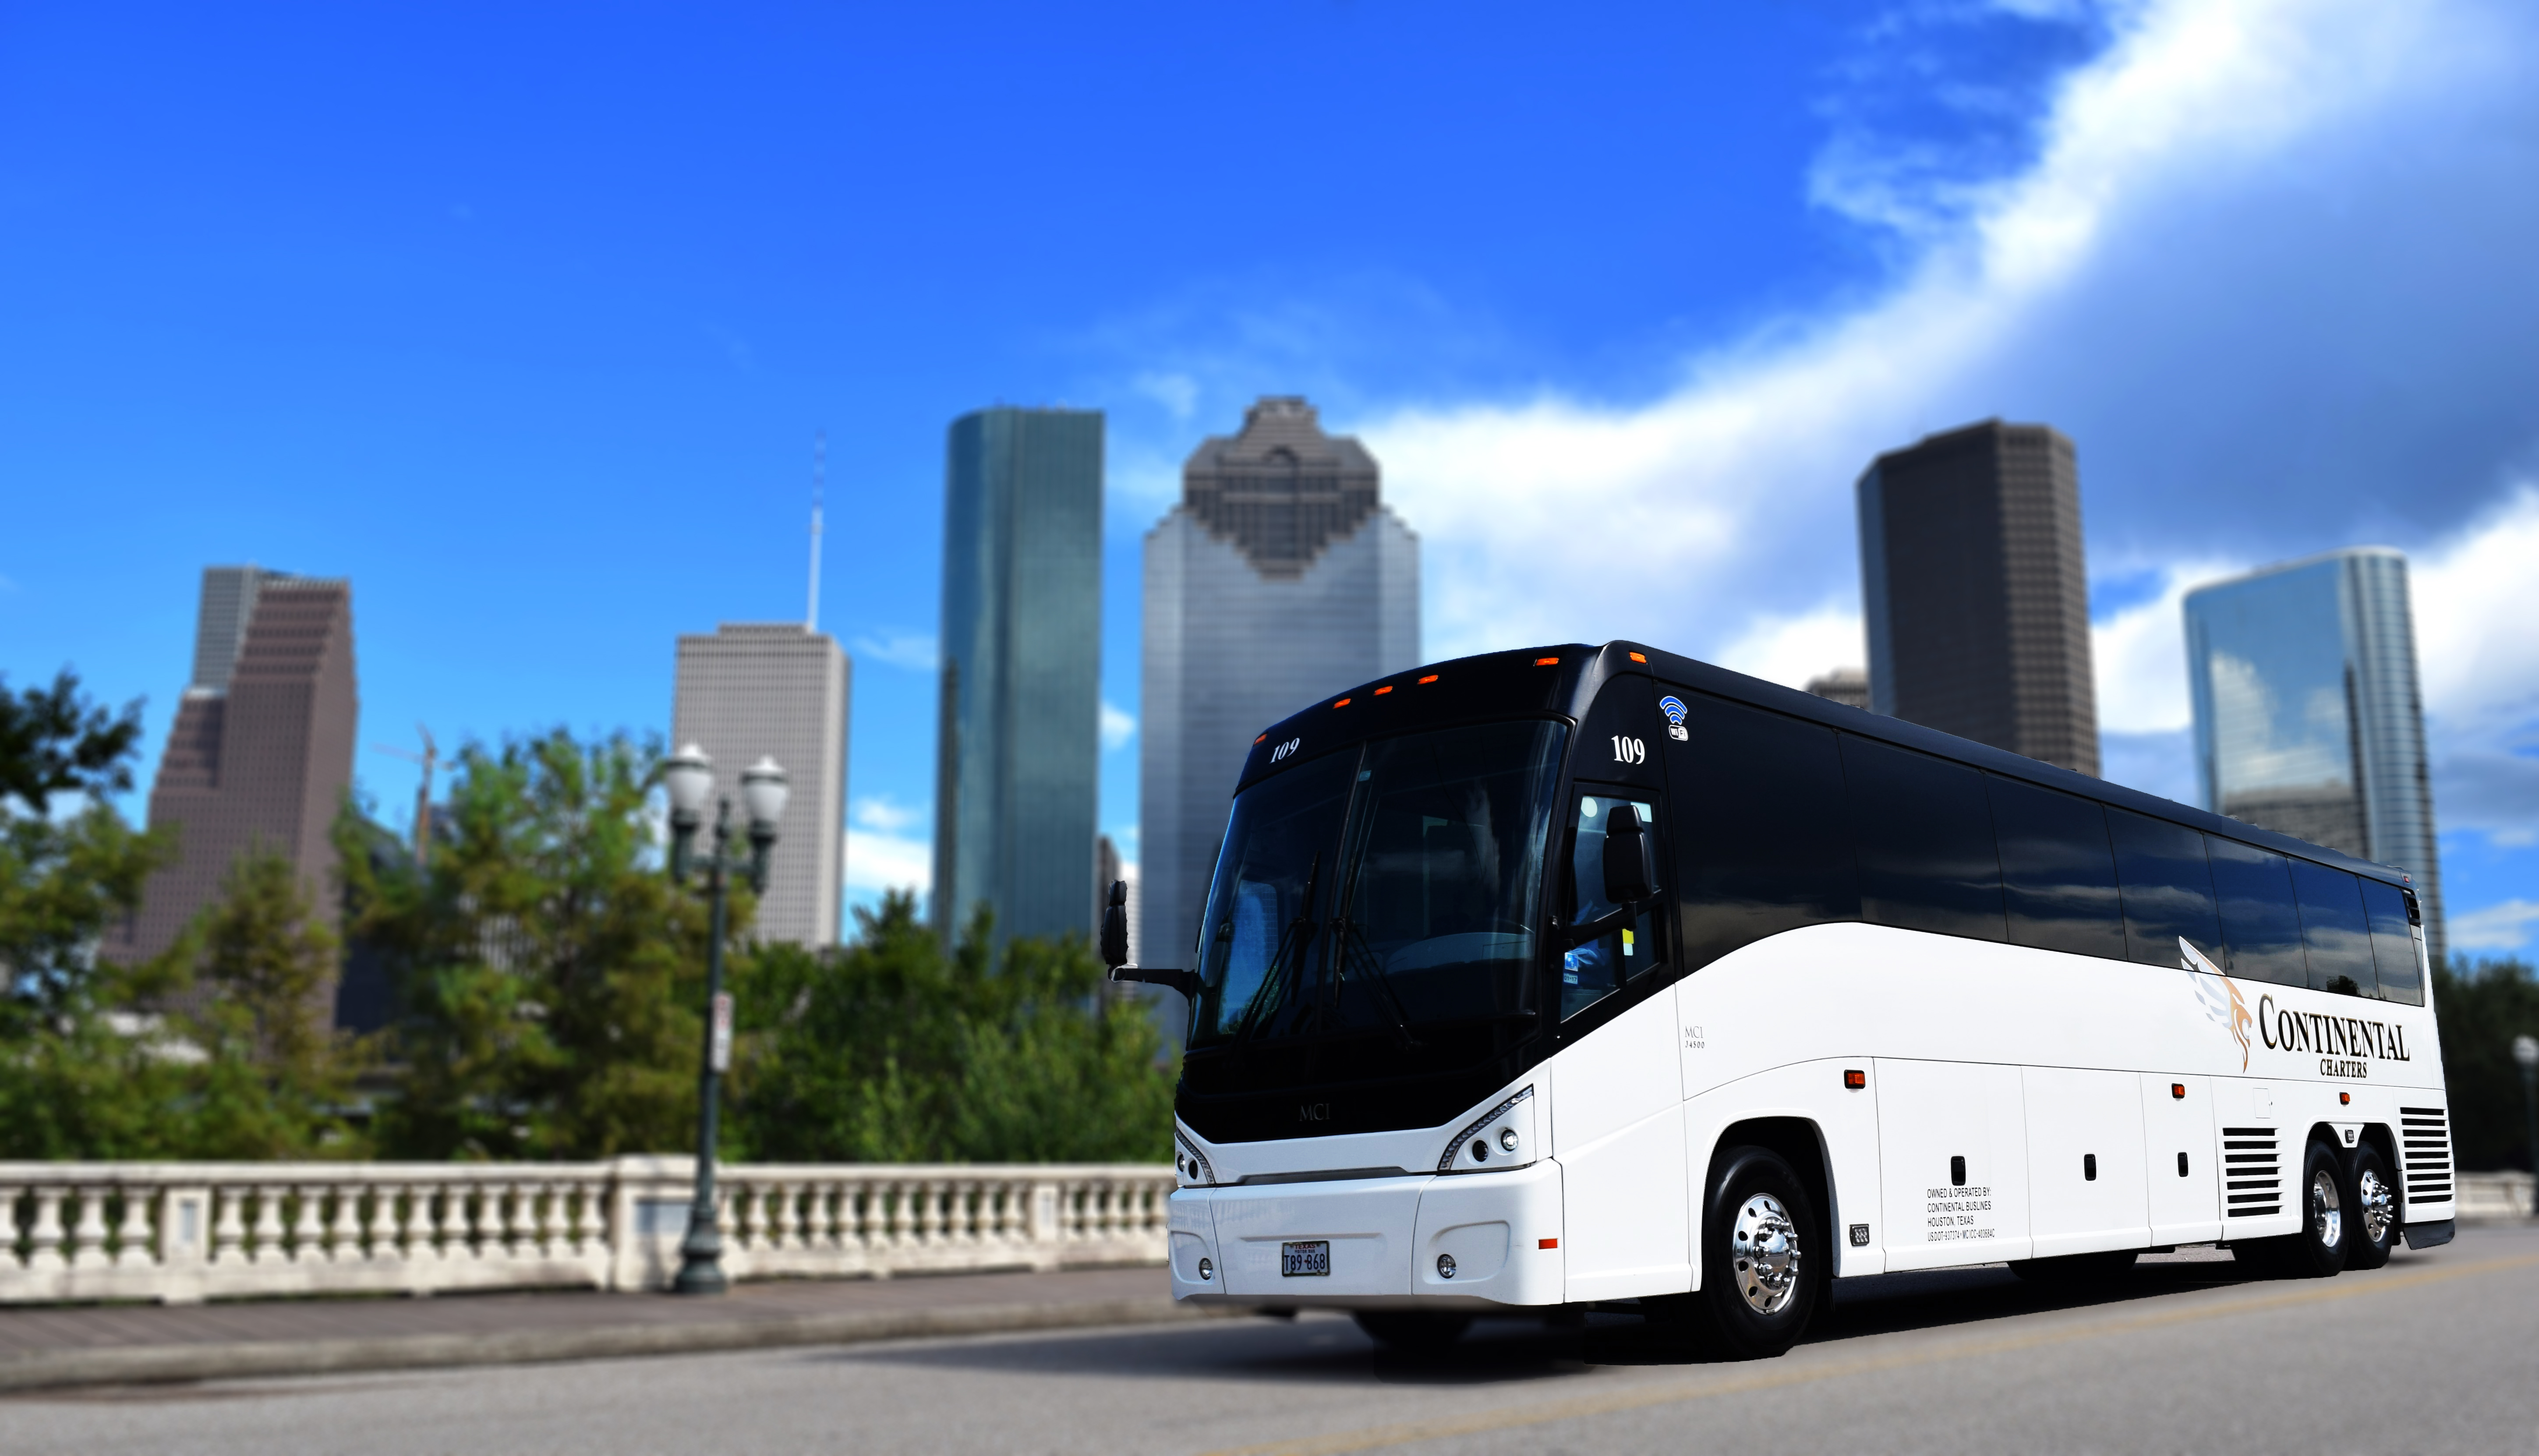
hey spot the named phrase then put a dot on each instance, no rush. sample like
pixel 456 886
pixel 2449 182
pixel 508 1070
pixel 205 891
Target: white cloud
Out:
pixel 1119 727
pixel 877 862
pixel 1173 389
pixel 1792 650
pixel 2477 615
pixel 885 815
pixel 2139 656
pixel 1705 517
pixel 2504 926
pixel 915 650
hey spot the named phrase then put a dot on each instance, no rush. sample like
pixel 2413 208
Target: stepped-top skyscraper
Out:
pixel 778 689
pixel 1976 592
pixel 261 752
pixel 1281 577
pixel 1017 751
pixel 2308 715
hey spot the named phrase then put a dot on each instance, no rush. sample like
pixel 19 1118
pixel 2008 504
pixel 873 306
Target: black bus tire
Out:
pixel 2370 1210
pixel 2317 1250
pixel 1764 1259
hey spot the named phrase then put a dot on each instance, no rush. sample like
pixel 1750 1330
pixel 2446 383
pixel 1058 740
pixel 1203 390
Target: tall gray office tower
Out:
pixel 1017 751
pixel 2307 719
pixel 778 689
pixel 262 753
pixel 1278 579
pixel 1977 601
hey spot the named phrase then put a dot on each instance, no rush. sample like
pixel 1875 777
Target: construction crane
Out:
pixel 430 755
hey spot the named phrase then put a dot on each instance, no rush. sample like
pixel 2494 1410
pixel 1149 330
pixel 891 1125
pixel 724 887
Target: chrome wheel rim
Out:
pixel 2326 1210
pixel 2379 1205
pixel 1765 1252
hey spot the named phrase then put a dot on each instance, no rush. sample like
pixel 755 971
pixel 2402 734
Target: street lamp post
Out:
pixel 689 778
pixel 2526 1050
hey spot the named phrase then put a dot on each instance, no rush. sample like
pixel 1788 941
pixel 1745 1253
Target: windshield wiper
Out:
pixel 1345 930
pixel 1300 934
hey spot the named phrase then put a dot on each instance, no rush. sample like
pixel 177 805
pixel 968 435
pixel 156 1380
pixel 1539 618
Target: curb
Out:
pixel 55 1369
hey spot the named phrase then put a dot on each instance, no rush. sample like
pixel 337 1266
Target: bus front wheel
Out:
pixel 1762 1267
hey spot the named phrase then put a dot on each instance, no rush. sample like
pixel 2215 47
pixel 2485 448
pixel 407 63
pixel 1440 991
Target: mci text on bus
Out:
pixel 1589 974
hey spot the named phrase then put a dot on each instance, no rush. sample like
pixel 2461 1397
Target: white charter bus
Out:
pixel 1584 974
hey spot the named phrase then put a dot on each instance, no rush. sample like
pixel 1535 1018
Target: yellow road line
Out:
pixel 1771 1378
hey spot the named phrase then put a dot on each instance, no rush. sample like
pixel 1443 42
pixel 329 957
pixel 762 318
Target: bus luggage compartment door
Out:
pixel 2085 1161
pixel 2185 1178
pixel 1953 1159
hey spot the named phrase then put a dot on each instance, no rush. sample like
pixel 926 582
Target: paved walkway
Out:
pixel 53 1346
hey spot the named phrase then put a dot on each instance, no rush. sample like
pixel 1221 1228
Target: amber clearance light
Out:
pixel 1855 1079
pixel 1639 656
pixel 1431 677
pixel 1546 661
pixel 1342 703
pixel 1380 692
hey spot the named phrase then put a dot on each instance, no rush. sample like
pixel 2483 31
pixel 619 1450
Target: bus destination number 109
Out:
pixel 1630 750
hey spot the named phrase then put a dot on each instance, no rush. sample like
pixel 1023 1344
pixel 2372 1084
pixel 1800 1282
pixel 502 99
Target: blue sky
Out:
pixel 525 320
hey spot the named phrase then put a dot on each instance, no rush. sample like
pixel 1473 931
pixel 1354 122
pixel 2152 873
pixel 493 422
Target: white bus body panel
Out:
pixel 1617 1130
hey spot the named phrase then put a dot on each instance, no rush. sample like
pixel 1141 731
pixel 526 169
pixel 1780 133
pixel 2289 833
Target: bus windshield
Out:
pixel 1385 891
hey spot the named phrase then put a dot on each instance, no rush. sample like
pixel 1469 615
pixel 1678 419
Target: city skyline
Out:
pixel 749 690
pixel 1280 577
pixel 1018 759
pixel 2307 710
pixel 351 321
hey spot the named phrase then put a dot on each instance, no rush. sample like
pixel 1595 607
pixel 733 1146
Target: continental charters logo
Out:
pixel 2223 1006
pixel 2348 1044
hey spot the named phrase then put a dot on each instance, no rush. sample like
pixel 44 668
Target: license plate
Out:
pixel 1305 1257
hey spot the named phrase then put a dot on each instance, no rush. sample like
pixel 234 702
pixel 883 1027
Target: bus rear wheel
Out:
pixel 1763 1263
pixel 2317 1251
pixel 2371 1209
pixel 1412 1330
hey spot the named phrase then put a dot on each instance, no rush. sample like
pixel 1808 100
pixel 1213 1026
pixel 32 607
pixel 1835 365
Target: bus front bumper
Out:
pixel 1392 1241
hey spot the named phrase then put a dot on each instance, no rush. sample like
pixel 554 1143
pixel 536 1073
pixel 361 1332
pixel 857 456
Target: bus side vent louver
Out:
pixel 2254 1172
pixel 2427 1134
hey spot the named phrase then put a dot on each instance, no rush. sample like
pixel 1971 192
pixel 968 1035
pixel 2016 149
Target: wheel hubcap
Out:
pixel 2326 1216
pixel 1766 1255
pixel 2378 1208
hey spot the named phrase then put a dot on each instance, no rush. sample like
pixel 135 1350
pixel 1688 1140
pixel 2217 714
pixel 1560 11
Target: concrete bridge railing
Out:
pixel 182 1233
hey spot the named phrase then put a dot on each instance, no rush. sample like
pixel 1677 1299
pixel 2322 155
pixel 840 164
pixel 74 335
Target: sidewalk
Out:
pixel 128 1344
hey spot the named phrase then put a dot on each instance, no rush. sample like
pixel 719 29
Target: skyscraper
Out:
pixel 2308 717
pixel 1972 582
pixel 1017 745
pixel 779 689
pixel 1280 577
pixel 262 753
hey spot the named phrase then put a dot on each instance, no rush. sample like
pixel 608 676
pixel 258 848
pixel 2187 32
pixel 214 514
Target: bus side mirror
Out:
pixel 1115 926
pixel 1630 859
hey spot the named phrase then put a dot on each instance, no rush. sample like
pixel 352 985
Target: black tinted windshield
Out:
pixel 1387 892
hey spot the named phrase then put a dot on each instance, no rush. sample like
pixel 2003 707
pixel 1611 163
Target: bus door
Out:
pixel 1618 1086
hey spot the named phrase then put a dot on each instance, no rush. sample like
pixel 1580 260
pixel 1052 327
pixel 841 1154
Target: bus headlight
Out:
pixel 1469 1151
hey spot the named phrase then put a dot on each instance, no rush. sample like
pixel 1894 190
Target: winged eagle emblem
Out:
pixel 2219 996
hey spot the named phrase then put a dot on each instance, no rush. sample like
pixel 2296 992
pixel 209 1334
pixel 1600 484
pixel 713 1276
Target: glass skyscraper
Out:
pixel 1278 579
pixel 2307 717
pixel 1017 752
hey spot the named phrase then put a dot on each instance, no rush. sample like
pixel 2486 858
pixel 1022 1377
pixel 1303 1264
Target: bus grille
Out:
pixel 2426 1131
pixel 2252 1172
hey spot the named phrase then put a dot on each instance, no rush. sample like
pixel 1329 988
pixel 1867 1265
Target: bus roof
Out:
pixel 1562 680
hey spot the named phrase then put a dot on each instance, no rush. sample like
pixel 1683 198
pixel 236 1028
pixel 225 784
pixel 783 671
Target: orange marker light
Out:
pixel 1431 677
pixel 1380 692
pixel 2177 1089
pixel 1342 703
pixel 1549 1243
pixel 1639 656
pixel 1855 1079
pixel 1546 661
pixel 2343 1098
pixel 1263 738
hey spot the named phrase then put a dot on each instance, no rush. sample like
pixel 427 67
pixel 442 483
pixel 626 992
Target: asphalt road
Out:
pixel 2437 1353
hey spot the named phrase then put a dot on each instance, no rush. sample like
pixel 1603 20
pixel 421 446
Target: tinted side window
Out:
pixel 2058 875
pixel 1924 836
pixel 2261 931
pixel 2394 947
pixel 1760 824
pixel 2168 888
pixel 2333 926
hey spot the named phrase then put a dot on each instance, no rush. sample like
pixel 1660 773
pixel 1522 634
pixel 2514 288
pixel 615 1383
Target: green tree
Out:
pixel 887 1050
pixel 75 1081
pixel 276 1077
pixel 550 975
pixel 2481 1008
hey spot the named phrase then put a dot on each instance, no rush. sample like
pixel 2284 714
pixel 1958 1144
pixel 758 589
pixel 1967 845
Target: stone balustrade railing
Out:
pixel 181 1232
pixel 2491 1197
